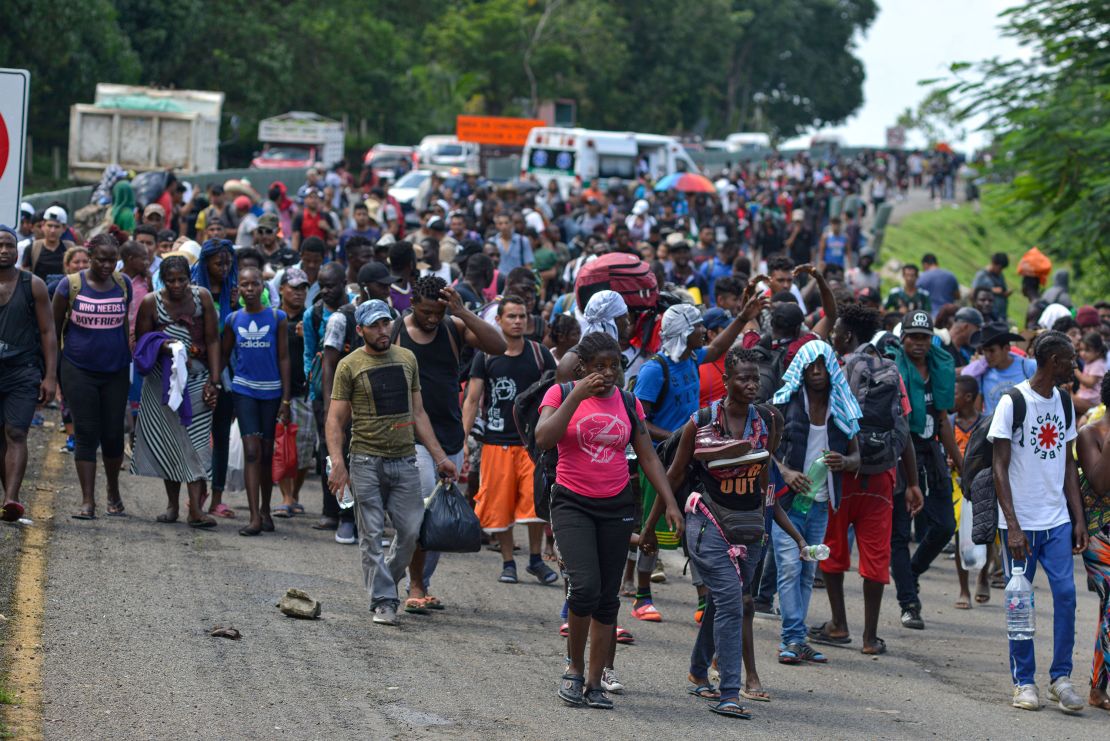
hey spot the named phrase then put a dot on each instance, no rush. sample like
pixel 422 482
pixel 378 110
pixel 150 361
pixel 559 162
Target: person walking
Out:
pixel 178 353
pixel 1041 519
pixel 90 315
pixel 591 422
pixel 377 391
pixel 256 344
pixel 294 290
pixel 1094 482
pixel 28 359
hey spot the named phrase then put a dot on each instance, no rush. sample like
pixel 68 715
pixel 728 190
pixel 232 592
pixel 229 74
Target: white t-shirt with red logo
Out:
pixel 591 453
pixel 1038 458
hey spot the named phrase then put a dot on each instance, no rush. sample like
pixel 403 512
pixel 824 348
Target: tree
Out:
pixel 936 118
pixel 1050 116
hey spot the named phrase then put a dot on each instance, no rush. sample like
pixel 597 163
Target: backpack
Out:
pixel 74 280
pixel 351 341
pixel 666 380
pixel 626 274
pixel 884 432
pixel 772 367
pixel 543 477
pixel 977 477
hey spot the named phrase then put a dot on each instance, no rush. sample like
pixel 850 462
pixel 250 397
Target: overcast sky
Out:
pixel 913 40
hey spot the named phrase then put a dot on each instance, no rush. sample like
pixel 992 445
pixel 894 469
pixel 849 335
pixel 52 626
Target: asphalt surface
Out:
pixel 129 604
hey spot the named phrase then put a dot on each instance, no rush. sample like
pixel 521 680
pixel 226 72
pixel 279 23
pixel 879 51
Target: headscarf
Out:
pixel 601 311
pixel 123 206
pixel 283 203
pixel 843 406
pixel 678 322
pixel 200 273
pixel 1051 313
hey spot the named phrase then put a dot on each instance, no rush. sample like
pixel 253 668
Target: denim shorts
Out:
pixel 256 417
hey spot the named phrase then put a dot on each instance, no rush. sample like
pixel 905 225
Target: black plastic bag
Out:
pixel 450 525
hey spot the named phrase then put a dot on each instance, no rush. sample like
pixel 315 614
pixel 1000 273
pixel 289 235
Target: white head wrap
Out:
pixel 602 308
pixel 1051 313
pixel 678 322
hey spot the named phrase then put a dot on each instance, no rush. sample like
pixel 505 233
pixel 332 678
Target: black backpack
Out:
pixel 351 341
pixel 977 477
pixel 772 367
pixel 546 460
pixel 666 380
pixel 884 432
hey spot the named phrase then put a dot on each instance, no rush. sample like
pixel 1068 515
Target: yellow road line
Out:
pixel 24 649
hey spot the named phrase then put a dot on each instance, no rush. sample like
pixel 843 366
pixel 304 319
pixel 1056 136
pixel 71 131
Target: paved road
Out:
pixel 129 603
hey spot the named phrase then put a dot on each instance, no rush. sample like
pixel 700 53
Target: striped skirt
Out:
pixel 164 448
pixel 1097 560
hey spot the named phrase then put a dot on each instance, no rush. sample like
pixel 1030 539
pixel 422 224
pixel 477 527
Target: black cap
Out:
pixel 375 272
pixel 917 322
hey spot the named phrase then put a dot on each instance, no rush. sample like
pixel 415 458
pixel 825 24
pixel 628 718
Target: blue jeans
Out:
pixel 722 624
pixel 795 576
pixel 1052 549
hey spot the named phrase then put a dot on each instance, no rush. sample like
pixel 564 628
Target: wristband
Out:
pixel 440 462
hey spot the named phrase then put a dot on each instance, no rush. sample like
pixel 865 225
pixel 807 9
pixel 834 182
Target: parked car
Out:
pixel 411 191
pixel 389 161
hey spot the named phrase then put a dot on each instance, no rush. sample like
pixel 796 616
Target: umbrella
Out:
pixel 687 182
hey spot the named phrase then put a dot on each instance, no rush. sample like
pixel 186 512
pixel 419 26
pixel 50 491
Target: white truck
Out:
pixel 298 139
pixel 576 156
pixel 143 128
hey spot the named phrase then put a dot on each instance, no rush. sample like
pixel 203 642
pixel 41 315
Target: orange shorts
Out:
pixel 505 488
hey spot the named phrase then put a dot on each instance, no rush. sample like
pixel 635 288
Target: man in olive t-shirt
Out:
pixel 377 390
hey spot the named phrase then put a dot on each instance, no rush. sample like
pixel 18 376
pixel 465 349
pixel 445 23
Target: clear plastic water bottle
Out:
pixel 348 499
pixel 817 552
pixel 1021 620
pixel 817 474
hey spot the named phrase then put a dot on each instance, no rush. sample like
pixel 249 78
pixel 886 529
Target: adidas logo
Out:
pixel 253 337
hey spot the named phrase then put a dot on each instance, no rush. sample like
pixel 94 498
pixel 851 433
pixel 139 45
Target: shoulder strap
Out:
pixel 1069 411
pixel 666 379
pixel 74 289
pixel 25 284
pixel 317 317
pixel 564 390
pixel 122 283
pixel 1017 423
pixel 629 400
pixel 537 354
pixel 36 251
pixel 395 332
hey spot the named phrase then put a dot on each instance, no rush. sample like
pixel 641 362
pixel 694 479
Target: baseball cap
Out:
pixel 375 272
pixel 26 209
pixel 437 224
pixel 294 277
pixel 56 213
pixel 917 322
pixel 869 295
pixel 268 221
pixel 242 203
pixel 970 315
pixel 715 318
pixel 371 312
pixel 798 214
pixel 153 208
pixel 640 207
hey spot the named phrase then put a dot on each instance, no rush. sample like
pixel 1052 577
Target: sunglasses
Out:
pixel 263 230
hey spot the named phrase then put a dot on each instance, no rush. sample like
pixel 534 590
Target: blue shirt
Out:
pixel 682 395
pixel 518 255
pixel 835 244
pixel 255 357
pixel 712 270
pixel 942 286
pixel 996 382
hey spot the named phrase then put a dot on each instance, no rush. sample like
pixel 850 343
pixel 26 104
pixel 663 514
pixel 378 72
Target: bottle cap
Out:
pixel 1017 570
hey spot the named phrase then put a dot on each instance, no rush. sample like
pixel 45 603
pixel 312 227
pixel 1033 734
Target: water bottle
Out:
pixel 1021 622
pixel 348 499
pixel 817 474
pixel 817 552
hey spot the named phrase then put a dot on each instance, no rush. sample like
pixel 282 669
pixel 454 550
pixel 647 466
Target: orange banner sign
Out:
pixel 499 131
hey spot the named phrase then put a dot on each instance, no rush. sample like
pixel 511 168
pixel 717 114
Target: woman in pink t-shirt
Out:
pixel 592 503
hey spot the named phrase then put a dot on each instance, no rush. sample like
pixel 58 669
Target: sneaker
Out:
pixel 911 618
pixel 1026 697
pixel 70 445
pixel 647 613
pixel 659 576
pixel 385 615
pixel 345 533
pixel 610 682
pixel 543 572
pixel 1067 699
pixel 508 574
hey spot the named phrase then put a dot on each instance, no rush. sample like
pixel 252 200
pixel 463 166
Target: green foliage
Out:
pixel 708 67
pixel 1050 116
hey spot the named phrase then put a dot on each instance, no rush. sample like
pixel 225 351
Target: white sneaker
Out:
pixel 610 682
pixel 659 576
pixel 1067 699
pixel 1026 697
pixel 385 615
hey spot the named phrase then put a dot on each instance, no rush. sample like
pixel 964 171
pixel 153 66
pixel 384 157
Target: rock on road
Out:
pixel 129 603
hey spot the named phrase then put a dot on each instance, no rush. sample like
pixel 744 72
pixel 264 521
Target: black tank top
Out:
pixel 19 328
pixel 439 381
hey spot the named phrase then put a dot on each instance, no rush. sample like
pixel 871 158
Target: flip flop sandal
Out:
pixel 624 636
pixel 962 604
pixel 571 690
pixel 564 630
pixel 11 511
pixel 982 598
pixel 116 509
pixel 432 603
pixel 416 606
pixel 222 510
pixel 206 524
pixel 283 511
pixel 731 709
pixel 876 650
pixel 786 656
pixel 755 695
pixel 85 513
pixel 647 613
pixel 267 526
pixel 165 519
pixel 704 691
pixel 817 634
pixel 298 508
pixel 250 531
pixel 806 652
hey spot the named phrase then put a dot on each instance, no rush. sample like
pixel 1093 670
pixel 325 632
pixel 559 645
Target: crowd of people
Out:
pixel 717 373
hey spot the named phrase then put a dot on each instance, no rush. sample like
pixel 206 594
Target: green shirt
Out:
pixel 899 300
pixel 379 388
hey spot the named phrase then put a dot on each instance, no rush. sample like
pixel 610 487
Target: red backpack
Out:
pixel 626 274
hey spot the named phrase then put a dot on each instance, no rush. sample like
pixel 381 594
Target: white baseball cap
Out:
pixel 56 213
pixel 26 209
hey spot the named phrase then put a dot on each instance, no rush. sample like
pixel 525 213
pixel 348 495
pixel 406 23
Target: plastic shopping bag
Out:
pixel 284 464
pixel 234 480
pixel 450 524
pixel 973 556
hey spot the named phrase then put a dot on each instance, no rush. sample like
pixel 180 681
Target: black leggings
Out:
pixel 592 536
pixel 98 403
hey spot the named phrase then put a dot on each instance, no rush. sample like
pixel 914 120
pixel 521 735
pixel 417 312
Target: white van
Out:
pixel 577 156
pixel 440 151
pixel 747 141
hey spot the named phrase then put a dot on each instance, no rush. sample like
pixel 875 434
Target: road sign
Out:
pixel 502 131
pixel 15 85
pixel 895 137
